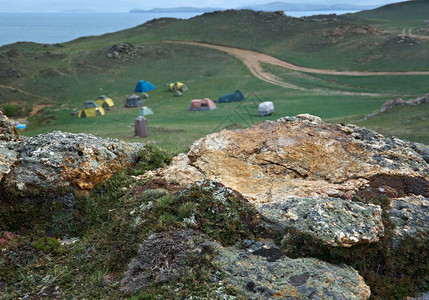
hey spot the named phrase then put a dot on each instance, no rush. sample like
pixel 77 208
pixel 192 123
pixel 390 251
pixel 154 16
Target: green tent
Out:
pixel 145 111
pixel 236 96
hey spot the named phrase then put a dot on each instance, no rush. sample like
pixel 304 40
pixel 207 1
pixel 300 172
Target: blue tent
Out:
pixel 144 86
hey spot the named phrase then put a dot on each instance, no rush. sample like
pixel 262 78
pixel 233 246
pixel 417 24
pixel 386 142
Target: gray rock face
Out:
pixel 7 157
pixel 7 131
pixel 411 216
pixel 336 221
pixel 7 160
pixel 266 274
pixel 59 159
pixel 422 149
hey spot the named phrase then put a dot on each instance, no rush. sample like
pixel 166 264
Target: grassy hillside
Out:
pixel 407 122
pixel 49 81
pixel 402 14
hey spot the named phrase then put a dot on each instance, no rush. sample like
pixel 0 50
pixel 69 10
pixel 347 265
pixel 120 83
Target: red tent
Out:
pixel 202 104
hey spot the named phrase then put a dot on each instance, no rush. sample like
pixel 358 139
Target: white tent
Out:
pixel 266 109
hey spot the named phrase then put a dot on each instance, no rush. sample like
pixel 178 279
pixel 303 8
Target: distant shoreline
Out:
pixel 175 10
pixel 275 6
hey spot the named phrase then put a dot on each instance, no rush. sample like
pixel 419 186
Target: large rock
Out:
pixel 267 274
pixel 301 172
pixel 58 159
pixel 302 156
pixel 336 221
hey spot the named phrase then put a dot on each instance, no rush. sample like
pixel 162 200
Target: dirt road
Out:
pixel 254 59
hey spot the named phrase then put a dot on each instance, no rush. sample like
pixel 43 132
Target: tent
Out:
pixel 236 96
pixel 90 109
pixel 177 86
pixel 145 111
pixel 202 104
pixel 105 102
pixel 144 86
pixel 134 101
pixel 266 109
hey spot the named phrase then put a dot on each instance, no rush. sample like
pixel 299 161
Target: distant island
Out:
pixel 176 10
pixel 78 11
pixel 272 6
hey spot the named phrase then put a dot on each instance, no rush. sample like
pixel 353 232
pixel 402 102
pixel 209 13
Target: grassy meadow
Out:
pixel 55 79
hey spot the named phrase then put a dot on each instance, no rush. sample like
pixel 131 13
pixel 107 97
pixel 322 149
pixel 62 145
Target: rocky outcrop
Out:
pixel 257 271
pixel 58 159
pixel 389 104
pixel 301 172
pixel 264 273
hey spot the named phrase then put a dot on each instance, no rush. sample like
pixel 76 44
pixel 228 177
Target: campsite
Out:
pixel 210 72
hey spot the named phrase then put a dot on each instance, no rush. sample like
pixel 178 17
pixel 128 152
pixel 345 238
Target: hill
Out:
pixel 46 82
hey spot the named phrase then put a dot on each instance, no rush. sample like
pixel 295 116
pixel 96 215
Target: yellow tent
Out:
pixel 177 86
pixel 90 109
pixel 105 102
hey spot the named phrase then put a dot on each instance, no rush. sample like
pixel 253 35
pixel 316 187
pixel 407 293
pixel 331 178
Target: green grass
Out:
pixel 404 13
pixel 409 122
pixel 54 74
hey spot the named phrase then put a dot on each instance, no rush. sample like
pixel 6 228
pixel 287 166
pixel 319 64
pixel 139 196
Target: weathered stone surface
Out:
pixel 181 171
pixel 411 217
pixel 336 221
pixel 266 274
pixel 8 132
pixel 59 159
pixel 422 149
pixel 7 160
pixel 297 167
pixel 302 156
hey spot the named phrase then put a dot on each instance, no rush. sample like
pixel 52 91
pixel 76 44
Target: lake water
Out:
pixel 53 28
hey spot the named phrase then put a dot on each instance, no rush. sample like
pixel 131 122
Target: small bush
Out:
pixel 152 158
pixel 10 110
pixel 48 245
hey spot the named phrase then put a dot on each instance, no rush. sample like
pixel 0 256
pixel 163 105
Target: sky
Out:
pixel 126 5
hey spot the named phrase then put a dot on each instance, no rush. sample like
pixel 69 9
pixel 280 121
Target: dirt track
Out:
pixel 253 61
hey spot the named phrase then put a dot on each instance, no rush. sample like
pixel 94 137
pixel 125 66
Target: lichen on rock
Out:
pixel 60 159
pixel 306 278
pixel 336 221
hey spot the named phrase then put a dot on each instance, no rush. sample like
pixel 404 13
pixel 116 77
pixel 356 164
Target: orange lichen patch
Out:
pixel 288 292
pixel 90 172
